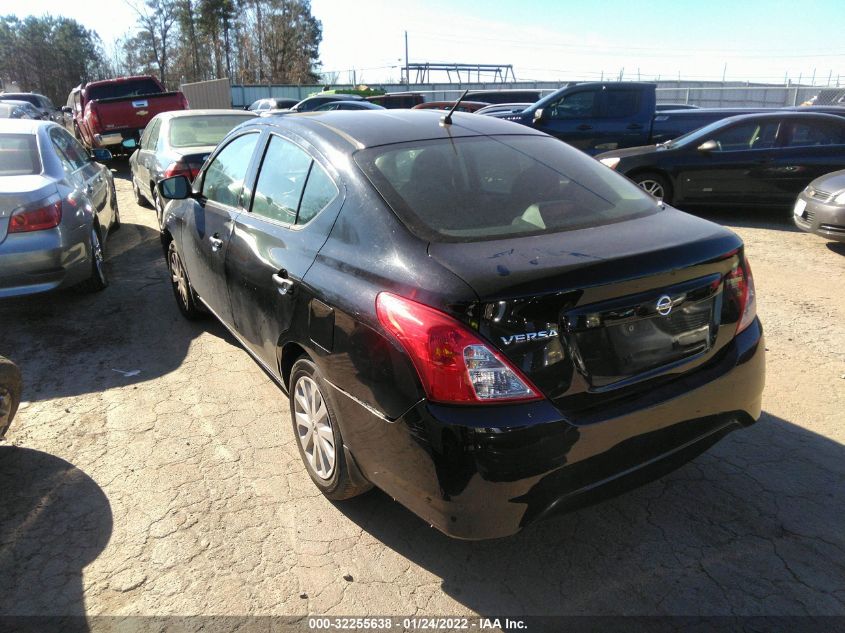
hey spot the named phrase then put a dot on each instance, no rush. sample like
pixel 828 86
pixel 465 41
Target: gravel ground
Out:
pixel 152 470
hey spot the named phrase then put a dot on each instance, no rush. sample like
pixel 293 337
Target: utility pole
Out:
pixel 724 72
pixel 407 76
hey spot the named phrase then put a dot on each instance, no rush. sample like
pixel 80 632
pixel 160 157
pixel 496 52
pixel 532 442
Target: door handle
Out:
pixel 216 243
pixel 283 282
pixel 584 126
pixel 635 126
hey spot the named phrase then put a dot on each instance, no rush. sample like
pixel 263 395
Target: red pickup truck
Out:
pixel 107 113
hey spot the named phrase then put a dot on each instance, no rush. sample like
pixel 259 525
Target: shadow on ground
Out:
pixel 756 526
pixel 68 343
pixel 54 520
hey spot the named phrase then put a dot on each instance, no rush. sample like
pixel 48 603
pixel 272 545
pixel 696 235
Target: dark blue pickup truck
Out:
pixel 599 117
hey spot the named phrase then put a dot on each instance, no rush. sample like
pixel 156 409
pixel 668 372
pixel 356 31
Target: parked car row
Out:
pixel 485 323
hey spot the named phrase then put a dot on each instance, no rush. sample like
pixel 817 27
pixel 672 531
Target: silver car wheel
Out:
pixel 653 187
pixel 314 428
pixel 177 276
pixel 97 254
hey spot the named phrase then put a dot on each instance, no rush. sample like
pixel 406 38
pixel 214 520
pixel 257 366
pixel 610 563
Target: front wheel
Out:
pixel 655 184
pixel 140 200
pixel 182 290
pixel 318 434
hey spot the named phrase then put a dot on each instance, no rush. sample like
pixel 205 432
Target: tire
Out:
pixel 312 415
pixel 655 184
pixel 116 224
pixel 98 279
pixel 159 208
pixel 140 200
pixel 182 289
pixel 10 393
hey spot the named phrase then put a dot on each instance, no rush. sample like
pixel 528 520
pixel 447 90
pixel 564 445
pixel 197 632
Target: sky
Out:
pixel 751 40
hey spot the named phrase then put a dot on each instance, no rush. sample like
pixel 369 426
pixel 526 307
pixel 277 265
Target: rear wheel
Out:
pixel 98 279
pixel 159 207
pixel 140 200
pixel 318 434
pixel 182 290
pixel 115 225
pixel 655 184
pixel 10 393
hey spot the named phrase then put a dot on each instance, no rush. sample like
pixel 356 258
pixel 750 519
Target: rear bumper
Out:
pixel 41 261
pixel 485 472
pixel 116 137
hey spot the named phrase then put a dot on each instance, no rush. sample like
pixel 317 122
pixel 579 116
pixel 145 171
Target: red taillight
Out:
pixel 739 289
pixel 181 168
pixel 38 219
pixel 93 116
pixel 454 365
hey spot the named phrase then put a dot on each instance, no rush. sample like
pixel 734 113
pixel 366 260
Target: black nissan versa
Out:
pixel 478 319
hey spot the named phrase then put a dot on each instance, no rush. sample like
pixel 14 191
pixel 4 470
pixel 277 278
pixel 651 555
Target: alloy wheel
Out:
pixel 5 406
pixel 97 254
pixel 653 187
pixel 314 428
pixel 178 277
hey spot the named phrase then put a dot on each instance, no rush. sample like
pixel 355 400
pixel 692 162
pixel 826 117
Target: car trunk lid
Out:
pixel 591 314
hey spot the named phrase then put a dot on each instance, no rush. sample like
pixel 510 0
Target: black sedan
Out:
pixel 478 319
pixel 761 160
pixel 177 143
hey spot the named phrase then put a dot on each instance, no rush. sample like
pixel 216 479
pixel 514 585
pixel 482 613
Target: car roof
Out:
pixel 178 114
pixel 384 127
pixel 784 114
pixel 23 126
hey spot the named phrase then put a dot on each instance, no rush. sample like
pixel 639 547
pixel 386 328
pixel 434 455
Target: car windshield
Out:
pixel 196 131
pixel 477 188
pixel 19 155
pixel 131 88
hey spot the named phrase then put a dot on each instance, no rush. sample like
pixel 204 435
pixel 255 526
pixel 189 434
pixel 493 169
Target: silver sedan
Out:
pixel 57 208
pixel 820 208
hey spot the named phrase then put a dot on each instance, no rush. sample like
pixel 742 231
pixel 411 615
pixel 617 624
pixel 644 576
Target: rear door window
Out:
pixel 292 187
pixel 619 104
pixel 70 152
pixel 281 181
pixel 815 134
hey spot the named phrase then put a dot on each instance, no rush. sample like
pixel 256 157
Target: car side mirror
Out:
pixel 67 109
pixel 130 143
pixel 708 146
pixel 539 115
pixel 101 155
pixel 175 188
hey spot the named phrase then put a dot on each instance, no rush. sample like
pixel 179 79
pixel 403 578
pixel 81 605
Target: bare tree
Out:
pixel 156 19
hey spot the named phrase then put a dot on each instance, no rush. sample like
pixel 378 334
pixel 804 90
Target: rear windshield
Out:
pixel 19 155
pixel 132 88
pixel 477 188
pixel 196 131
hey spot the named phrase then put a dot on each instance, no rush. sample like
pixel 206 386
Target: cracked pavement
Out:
pixel 178 490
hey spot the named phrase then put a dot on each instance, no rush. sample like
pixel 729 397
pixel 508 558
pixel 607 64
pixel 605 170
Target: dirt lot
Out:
pixel 152 470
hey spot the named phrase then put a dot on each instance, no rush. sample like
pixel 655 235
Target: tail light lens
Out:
pixel 37 219
pixel 93 116
pixel 739 291
pixel 181 168
pixel 454 365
